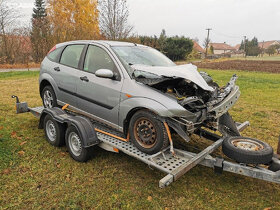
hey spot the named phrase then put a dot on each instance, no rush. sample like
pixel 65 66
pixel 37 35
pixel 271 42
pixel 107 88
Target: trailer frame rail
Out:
pixel 180 162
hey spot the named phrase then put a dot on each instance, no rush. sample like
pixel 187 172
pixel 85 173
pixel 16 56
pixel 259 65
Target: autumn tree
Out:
pixel 114 19
pixel 40 33
pixel 73 19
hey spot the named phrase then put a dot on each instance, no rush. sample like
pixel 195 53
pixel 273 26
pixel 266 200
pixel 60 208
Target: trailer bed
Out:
pixel 177 165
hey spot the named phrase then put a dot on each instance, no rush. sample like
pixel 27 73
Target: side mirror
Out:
pixel 105 73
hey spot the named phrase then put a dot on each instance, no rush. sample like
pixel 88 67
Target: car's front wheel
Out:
pixel 49 97
pixel 147 132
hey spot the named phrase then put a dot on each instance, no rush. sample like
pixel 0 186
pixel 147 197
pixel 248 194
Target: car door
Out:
pixel 67 73
pixel 99 96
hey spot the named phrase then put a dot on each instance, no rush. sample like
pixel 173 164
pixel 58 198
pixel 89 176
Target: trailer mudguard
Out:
pixel 86 130
pixel 82 124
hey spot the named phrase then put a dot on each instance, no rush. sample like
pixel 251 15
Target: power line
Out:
pixel 226 35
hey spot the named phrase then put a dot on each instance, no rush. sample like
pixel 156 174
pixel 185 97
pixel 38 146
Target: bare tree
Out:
pixel 8 17
pixel 114 19
pixel 206 42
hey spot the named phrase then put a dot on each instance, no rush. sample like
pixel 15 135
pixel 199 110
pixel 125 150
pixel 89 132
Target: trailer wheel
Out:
pixel 247 150
pixel 49 97
pixel 54 131
pixel 74 145
pixel 147 133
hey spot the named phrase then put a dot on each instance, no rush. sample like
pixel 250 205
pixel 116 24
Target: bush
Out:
pixel 177 48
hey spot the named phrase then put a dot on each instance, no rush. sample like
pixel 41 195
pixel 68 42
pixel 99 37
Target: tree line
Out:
pixel 64 20
pixel 252 48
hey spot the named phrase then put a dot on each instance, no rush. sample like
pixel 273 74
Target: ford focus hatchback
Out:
pixel 136 90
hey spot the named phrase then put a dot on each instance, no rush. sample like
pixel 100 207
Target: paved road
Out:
pixel 9 70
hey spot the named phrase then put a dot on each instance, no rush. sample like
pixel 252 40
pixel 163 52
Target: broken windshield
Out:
pixel 131 55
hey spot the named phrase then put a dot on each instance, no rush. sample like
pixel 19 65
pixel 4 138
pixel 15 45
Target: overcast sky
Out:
pixel 229 19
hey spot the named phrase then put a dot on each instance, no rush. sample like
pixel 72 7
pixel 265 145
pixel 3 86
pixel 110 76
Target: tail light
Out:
pixel 52 49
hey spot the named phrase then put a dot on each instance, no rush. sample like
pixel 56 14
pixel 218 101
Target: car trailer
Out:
pixel 174 162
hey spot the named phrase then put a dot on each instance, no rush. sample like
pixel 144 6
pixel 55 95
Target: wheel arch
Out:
pixel 43 84
pixel 129 116
pixel 46 79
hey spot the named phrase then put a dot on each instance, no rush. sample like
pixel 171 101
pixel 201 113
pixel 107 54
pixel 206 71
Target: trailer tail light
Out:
pixel 52 49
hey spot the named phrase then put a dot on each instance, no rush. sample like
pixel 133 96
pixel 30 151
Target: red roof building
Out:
pixel 265 45
pixel 222 48
pixel 197 47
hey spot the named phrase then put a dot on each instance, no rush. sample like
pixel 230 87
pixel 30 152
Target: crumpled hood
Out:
pixel 187 71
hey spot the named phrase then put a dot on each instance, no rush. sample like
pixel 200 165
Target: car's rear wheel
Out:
pixel 49 97
pixel 147 133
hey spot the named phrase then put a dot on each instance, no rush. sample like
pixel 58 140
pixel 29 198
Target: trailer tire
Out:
pixel 155 139
pixel 247 150
pixel 54 131
pixel 74 145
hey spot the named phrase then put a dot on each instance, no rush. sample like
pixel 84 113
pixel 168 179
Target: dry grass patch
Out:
pixel 36 175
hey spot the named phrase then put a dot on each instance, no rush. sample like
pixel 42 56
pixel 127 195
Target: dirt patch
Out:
pixel 250 65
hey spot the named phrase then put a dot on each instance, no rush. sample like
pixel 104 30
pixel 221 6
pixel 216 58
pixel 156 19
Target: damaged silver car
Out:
pixel 136 90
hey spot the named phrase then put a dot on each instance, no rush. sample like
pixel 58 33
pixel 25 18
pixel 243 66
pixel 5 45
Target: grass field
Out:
pixel 34 174
pixel 264 58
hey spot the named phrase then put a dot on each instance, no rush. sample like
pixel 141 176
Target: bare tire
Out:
pixel 147 133
pixel 54 131
pixel 49 97
pixel 247 150
pixel 74 145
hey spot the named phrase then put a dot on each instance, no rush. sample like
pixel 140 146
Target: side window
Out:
pixel 54 55
pixel 71 55
pixel 97 58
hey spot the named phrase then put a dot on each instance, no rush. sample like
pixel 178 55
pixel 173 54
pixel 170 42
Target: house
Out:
pixel 266 44
pixel 222 48
pixel 198 48
pixel 236 47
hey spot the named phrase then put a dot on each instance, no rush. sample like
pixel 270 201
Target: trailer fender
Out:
pixel 82 124
pixel 86 130
pixel 54 112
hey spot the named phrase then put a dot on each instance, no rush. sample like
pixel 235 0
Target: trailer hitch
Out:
pixel 17 100
pixel 21 107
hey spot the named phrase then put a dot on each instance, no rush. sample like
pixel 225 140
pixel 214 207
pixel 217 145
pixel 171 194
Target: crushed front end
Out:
pixel 208 102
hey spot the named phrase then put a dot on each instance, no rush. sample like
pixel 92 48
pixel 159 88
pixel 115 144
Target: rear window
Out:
pixel 71 55
pixel 55 55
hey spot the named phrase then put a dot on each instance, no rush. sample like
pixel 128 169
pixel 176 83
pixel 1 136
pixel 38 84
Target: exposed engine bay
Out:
pixel 208 103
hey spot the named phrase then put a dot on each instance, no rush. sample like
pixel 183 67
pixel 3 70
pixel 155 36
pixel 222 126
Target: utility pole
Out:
pixel 207 40
pixel 262 48
pixel 245 46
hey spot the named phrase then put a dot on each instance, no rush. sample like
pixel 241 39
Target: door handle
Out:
pixel 84 79
pixel 56 69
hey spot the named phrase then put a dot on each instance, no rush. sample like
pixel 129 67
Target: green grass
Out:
pixel 46 177
pixel 264 58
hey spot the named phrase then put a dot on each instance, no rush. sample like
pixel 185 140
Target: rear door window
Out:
pixel 71 55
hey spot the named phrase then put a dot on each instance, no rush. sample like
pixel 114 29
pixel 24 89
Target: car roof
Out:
pixel 103 42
